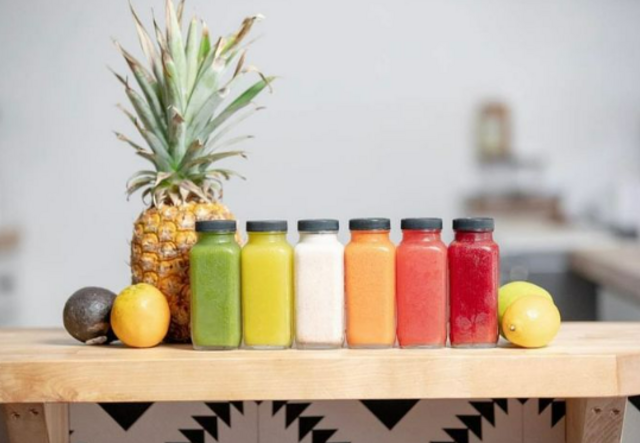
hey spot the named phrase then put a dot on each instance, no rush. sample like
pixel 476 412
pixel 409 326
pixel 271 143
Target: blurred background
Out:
pixel 527 111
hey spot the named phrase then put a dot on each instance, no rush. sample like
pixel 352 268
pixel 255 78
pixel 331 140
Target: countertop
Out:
pixel 617 268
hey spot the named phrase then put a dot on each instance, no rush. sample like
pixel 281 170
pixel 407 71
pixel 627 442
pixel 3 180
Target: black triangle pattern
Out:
pixel 322 435
pixel 486 410
pixel 389 412
pixel 473 423
pixel 293 411
pixel 210 424
pixel 635 401
pixel 523 400
pixel 193 435
pixel 125 414
pixel 458 435
pixel 502 403
pixel 543 404
pixel 306 425
pixel 276 406
pixel 222 410
pixel 558 409
pixel 239 406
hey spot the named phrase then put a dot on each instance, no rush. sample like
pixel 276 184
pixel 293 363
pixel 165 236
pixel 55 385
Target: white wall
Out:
pixel 372 115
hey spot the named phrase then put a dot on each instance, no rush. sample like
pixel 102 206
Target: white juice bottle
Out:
pixel 319 285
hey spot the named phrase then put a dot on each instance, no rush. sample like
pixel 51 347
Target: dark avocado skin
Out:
pixel 86 315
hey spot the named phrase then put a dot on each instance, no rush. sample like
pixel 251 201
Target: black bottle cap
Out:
pixel 318 225
pixel 216 226
pixel 267 226
pixel 369 224
pixel 474 224
pixel 421 224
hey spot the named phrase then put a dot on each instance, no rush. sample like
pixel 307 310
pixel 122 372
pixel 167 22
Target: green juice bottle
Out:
pixel 215 287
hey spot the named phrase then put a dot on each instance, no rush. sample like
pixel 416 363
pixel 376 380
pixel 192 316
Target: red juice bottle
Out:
pixel 421 284
pixel 474 275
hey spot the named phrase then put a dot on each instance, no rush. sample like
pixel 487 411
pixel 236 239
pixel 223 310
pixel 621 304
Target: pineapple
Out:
pixel 183 112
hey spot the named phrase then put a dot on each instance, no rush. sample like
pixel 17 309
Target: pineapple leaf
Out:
pixel 176 48
pixel 192 55
pixel 162 42
pixel 135 185
pixel 211 158
pixel 177 132
pixel 227 128
pixel 180 11
pixel 192 150
pixel 243 100
pixel 146 115
pixel 226 173
pixel 205 44
pixel 147 46
pixel 174 94
pixel 230 142
pixel 125 139
pixel 149 88
pixel 202 116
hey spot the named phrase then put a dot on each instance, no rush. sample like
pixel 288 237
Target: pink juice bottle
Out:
pixel 474 276
pixel 421 284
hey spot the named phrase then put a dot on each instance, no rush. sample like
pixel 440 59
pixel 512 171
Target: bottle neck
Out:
pixel 410 235
pixel 211 238
pixel 267 237
pixel 370 236
pixel 318 237
pixel 469 236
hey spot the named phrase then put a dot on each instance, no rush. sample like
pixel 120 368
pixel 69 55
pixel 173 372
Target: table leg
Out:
pixel 36 422
pixel 595 420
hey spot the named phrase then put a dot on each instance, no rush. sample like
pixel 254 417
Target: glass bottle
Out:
pixel 267 286
pixel 474 276
pixel 215 286
pixel 370 277
pixel 421 285
pixel 319 285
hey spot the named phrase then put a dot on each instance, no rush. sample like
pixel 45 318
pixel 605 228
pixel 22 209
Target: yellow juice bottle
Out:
pixel 267 286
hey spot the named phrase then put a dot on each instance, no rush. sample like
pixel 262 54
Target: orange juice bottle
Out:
pixel 370 277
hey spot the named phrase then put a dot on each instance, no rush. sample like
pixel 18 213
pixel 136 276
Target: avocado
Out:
pixel 86 315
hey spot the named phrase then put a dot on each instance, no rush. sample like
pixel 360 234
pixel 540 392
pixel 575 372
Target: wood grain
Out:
pixel 595 420
pixel 25 423
pixel 585 360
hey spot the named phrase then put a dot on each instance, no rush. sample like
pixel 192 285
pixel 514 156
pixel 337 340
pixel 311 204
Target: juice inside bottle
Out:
pixel 370 279
pixel 267 286
pixel 215 286
pixel 474 276
pixel 421 267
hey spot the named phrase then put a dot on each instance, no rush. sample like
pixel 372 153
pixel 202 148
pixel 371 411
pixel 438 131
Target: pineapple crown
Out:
pixel 185 108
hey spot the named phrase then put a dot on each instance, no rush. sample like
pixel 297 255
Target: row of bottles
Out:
pixel 268 293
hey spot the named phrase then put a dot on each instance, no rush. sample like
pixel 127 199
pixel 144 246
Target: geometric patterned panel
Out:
pixel 368 421
pixel 379 421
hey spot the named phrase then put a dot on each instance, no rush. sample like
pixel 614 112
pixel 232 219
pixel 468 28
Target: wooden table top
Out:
pixel 585 360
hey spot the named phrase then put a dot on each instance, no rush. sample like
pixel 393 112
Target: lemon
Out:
pixel 140 316
pixel 531 321
pixel 513 291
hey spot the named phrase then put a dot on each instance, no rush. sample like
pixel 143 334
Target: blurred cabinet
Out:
pixel 575 296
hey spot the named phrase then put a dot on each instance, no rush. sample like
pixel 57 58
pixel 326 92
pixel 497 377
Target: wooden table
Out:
pixel 595 366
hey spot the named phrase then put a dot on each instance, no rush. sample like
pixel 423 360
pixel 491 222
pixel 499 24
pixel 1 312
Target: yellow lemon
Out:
pixel 531 322
pixel 513 291
pixel 140 316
